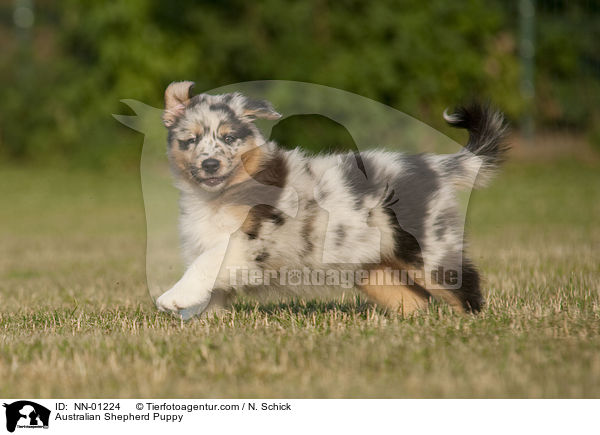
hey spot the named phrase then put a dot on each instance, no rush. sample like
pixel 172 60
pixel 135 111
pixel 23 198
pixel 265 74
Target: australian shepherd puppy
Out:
pixel 252 211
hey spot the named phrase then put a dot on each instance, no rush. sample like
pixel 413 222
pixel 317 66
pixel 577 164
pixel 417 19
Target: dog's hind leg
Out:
pixel 456 281
pixel 460 289
pixel 393 295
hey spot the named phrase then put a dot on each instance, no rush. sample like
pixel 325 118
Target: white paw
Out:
pixel 186 301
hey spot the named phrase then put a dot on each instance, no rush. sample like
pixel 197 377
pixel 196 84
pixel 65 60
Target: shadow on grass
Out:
pixel 355 305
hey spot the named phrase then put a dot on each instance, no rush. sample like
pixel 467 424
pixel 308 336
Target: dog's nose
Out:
pixel 211 165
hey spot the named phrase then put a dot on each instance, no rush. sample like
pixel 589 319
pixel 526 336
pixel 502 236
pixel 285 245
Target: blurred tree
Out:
pixel 569 63
pixel 417 57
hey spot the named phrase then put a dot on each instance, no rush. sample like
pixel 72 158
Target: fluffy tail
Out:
pixel 486 150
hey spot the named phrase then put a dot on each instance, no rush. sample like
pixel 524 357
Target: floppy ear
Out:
pixel 259 109
pixel 177 97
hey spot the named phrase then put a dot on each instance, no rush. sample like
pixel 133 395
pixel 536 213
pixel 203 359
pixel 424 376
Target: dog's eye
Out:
pixel 186 143
pixel 229 139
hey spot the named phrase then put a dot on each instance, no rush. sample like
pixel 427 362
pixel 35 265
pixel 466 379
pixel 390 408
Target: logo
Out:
pixel 26 414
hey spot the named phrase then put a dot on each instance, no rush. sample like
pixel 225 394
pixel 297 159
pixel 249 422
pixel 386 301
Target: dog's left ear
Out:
pixel 177 98
pixel 259 109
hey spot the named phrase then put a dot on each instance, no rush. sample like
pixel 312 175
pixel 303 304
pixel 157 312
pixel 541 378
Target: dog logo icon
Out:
pixel 26 414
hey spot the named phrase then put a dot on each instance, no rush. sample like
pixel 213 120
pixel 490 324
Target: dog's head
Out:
pixel 212 139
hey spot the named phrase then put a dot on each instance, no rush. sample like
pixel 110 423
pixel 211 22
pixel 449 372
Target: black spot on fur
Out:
pixel 196 100
pixel 440 226
pixel 360 163
pixel 263 256
pixel 251 104
pixel 409 204
pixel 271 176
pixel 322 194
pixel 273 172
pixel 406 246
pixel 258 107
pixel 258 215
pixel 184 145
pixel 359 174
pixel 241 130
pixel 340 235
pixel 220 107
pixel 405 197
pixel 278 219
pixel 468 292
pixel 310 212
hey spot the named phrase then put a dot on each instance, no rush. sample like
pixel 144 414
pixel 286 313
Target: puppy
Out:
pixel 390 219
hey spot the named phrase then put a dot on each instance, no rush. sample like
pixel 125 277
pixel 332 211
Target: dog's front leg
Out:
pixel 191 294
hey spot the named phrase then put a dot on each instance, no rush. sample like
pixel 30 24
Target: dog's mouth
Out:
pixel 210 181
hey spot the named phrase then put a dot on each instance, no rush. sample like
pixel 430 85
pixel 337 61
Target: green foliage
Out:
pixel 568 58
pixel 65 78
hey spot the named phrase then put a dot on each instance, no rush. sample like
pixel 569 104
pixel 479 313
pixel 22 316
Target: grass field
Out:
pixel 76 319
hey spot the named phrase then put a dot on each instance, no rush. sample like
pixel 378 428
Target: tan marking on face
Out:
pixel 197 130
pixel 224 129
pixel 234 164
pixel 180 158
pixel 250 157
pixel 183 159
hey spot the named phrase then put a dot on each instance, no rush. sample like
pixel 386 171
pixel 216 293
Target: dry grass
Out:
pixel 76 320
